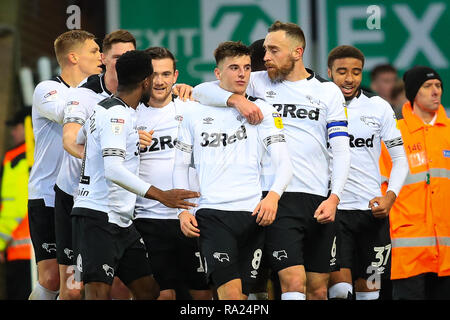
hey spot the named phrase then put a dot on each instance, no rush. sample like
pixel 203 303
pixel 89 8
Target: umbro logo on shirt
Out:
pixel 208 120
pixel 270 94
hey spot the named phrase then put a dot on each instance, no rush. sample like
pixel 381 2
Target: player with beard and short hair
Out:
pixel 78 56
pixel 106 242
pixel 362 222
pixel 174 258
pixel 299 242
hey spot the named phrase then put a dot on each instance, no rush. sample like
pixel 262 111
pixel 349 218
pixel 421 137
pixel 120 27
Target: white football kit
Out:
pixel 227 154
pixel 371 120
pixel 49 99
pixel 157 160
pixel 79 106
pixel 111 163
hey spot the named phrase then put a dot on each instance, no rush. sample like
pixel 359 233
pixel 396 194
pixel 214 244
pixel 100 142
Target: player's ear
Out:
pixel 297 54
pixel 102 56
pixel 72 57
pixel 175 76
pixel 329 73
pixel 147 82
pixel 217 73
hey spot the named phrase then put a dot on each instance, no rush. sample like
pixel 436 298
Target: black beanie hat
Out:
pixel 415 77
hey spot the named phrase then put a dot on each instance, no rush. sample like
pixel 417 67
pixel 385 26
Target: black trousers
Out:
pixel 426 286
pixel 18 279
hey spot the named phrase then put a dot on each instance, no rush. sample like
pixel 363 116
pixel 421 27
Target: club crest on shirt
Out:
pixel 315 102
pixel 370 121
pixel 117 125
pixel 179 118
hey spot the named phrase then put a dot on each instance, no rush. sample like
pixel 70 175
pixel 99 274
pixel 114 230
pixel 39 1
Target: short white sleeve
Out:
pixel 79 106
pixel 114 129
pixel 49 100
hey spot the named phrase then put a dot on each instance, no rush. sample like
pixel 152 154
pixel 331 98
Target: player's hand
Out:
pixel 175 198
pixel 326 211
pixel 189 225
pixel 145 138
pixel 267 209
pixel 382 205
pixel 183 91
pixel 246 108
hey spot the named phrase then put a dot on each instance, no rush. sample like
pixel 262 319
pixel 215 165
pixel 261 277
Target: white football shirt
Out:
pixel 227 153
pixel 157 160
pixel 49 99
pixel 110 131
pixel 370 120
pixel 308 108
pixel 79 106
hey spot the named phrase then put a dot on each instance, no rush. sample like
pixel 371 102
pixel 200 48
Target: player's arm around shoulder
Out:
pixel 210 93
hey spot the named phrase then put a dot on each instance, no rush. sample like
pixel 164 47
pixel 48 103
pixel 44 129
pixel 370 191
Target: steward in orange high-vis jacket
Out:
pixel 420 217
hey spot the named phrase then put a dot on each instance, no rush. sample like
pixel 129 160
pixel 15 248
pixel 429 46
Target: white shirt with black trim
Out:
pixel 49 99
pixel 370 121
pixel 110 131
pixel 157 160
pixel 79 106
pixel 313 111
pixel 227 154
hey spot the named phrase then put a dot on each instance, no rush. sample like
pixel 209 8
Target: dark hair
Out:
pixel 230 49
pixel 381 68
pixel 158 53
pixel 344 51
pixel 292 30
pixel 68 41
pixel 115 37
pixel 132 67
pixel 397 89
pixel 257 52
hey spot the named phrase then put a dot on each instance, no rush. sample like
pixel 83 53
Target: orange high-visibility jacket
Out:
pixel 20 247
pixel 420 216
pixel 14 229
